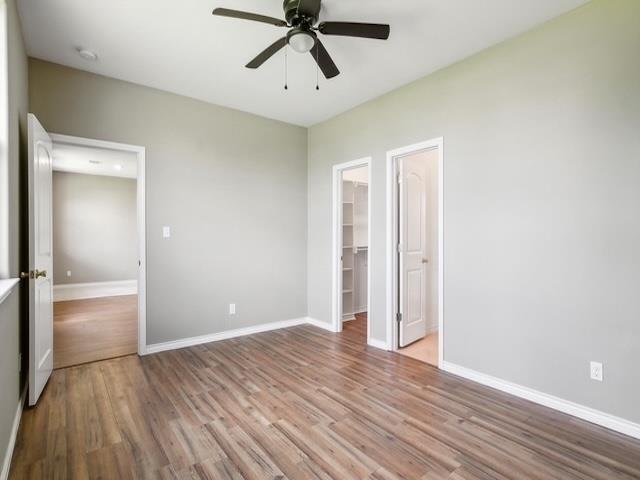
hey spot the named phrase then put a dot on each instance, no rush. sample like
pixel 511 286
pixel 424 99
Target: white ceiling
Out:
pixel 94 161
pixel 180 47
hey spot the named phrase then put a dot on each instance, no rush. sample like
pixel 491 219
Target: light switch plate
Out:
pixel 597 372
pixel 232 309
pixel 166 232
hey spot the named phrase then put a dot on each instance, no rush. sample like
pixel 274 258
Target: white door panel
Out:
pixel 413 249
pixel 40 260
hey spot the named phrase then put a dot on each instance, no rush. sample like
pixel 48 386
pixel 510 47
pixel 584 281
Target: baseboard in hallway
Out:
pixel 81 291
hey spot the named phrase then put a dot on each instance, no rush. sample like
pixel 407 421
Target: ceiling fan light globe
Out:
pixel 302 42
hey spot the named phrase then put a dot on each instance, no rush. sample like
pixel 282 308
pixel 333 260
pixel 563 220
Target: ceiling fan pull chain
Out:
pixel 286 83
pixel 317 68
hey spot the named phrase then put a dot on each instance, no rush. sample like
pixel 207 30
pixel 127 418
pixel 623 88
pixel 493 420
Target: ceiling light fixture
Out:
pixel 87 54
pixel 301 40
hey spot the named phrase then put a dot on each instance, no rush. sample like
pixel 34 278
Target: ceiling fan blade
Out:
pixel 269 52
pixel 324 60
pixel 351 29
pixel 226 12
pixel 310 8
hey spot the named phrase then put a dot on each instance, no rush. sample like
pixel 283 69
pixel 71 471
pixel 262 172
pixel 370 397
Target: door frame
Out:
pixel 392 240
pixel 336 208
pixel 140 215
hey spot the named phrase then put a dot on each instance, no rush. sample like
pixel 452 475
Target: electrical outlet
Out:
pixel 166 232
pixel 232 309
pixel 597 371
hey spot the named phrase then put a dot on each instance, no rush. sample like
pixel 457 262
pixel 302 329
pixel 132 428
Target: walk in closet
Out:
pixel 355 215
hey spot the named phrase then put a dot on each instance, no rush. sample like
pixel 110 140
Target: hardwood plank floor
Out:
pixel 94 329
pixel 300 403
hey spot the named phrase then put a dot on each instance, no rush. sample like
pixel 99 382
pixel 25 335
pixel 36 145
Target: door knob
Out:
pixel 40 273
pixel 424 260
pixel 24 275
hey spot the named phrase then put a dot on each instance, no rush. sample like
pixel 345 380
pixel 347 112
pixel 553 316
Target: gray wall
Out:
pixel 231 185
pixel 94 228
pixel 541 199
pixel 12 332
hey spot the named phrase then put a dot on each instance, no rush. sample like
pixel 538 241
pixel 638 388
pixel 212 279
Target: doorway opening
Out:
pixel 98 277
pixel 415 254
pixel 40 274
pixel 351 242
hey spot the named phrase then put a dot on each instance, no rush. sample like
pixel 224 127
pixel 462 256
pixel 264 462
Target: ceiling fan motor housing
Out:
pixel 291 14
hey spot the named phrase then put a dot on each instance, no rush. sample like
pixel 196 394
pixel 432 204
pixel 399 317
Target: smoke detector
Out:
pixel 87 54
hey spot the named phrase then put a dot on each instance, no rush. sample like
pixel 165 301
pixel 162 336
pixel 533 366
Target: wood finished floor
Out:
pixel 94 329
pixel 300 403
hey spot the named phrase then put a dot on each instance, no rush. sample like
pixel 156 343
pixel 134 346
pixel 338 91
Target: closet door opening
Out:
pixel 351 249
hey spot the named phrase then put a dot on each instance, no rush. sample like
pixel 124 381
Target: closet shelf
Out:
pixel 354 223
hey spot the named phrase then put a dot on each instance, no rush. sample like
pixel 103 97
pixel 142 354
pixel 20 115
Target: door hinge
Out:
pixel 398 317
pixel 399 248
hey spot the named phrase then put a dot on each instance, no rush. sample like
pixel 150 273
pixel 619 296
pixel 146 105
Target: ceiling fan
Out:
pixel 301 19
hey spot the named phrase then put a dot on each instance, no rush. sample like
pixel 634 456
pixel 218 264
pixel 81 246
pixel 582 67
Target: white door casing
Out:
pixel 40 259
pixel 413 249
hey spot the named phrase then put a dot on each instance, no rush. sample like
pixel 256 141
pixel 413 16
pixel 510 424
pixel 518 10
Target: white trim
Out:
pixel 216 337
pixel 79 291
pixel 4 143
pixel 580 411
pixel 6 464
pixel 336 246
pixel 6 287
pixel 372 342
pixel 141 221
pixel 392 188
pixel 320 324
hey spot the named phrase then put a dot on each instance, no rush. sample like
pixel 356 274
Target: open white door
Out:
pixel 412 249
pixel 40 260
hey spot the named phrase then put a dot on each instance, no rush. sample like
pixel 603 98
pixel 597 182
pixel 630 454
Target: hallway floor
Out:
pixel 94 329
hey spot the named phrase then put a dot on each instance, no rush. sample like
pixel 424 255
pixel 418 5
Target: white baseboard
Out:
pixel 215 337
pixel 586 413
pixel 79 291
pixel 320 324
pixel 6 464
pixel 432 329
pixel 378 344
